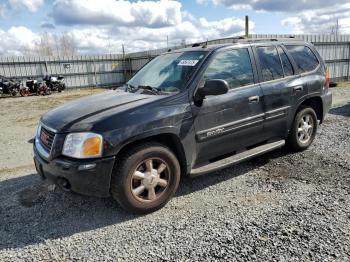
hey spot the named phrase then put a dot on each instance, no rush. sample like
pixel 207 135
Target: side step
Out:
pixel 239 157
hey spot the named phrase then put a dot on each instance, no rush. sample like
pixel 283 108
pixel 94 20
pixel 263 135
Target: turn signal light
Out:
pixel 92 146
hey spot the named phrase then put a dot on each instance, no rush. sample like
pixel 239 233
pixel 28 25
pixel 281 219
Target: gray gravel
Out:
pixel 280 207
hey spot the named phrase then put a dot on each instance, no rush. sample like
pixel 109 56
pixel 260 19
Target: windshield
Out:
pixel 168 72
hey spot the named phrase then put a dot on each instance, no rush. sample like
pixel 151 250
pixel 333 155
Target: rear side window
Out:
pixel 287 66
pixel 270 63
pixel 303 57
pixel 234 66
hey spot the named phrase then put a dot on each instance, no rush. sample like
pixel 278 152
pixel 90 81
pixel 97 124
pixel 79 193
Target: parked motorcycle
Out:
pixel 35 87
pixel 55 83
pixel 9 86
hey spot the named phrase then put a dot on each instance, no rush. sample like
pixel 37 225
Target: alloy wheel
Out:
pixel 150 179
pixel 305 128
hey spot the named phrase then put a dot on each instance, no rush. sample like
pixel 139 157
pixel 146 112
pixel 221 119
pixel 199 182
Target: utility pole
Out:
pixel 335 49
pixel 124 64
pixel 246 26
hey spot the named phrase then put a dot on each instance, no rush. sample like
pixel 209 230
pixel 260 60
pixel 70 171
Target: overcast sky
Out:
pixel 102 26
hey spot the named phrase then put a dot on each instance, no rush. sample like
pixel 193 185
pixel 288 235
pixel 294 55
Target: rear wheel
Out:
pixel 146 178
pixel 304 129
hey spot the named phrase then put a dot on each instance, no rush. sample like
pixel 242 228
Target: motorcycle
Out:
pixel 9 86
pixel 55 83
pixel 35 87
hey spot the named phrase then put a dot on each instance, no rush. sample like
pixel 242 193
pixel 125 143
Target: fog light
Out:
pixel 86 166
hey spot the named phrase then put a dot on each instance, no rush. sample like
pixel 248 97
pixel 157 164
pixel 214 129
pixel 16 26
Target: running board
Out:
pixel 239 157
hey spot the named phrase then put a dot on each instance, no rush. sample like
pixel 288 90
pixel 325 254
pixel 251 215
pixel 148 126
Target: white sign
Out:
pixel 67 65
pixel 188 62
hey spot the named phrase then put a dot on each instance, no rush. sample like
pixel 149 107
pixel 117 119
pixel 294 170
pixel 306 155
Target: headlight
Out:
pixel 83 145
pixel 37 132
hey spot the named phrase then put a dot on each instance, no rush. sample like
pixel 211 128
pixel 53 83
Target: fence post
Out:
pixel 124 64
pixel 348 73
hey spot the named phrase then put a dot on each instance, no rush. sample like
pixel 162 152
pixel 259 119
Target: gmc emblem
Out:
pixel 44 137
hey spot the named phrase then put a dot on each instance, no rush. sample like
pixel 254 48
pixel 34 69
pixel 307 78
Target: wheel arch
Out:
pixel 316 104
pixel 168 139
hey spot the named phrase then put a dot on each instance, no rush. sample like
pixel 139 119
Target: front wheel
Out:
pixel 304 129
pixel 146 178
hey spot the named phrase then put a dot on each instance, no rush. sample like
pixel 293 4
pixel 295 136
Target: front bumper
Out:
pixel 327 103
pixel 93 182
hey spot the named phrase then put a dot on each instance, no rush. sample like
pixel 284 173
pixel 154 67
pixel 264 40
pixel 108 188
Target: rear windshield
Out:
pixel 303 57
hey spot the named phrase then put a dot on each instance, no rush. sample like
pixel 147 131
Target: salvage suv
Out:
pixel 189 111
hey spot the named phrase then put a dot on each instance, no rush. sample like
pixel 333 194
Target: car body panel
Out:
pixel 219 125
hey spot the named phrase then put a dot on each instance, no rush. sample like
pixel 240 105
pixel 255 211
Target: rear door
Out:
pixel 232 121
pixel 307 64
pixel 277 83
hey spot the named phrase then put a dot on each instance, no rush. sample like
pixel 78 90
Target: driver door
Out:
pixel 232 121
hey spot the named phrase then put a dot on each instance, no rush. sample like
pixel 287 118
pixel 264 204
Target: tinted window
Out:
pixel 234 66
pixel 270 63
pixel 287 66
pixel 303 57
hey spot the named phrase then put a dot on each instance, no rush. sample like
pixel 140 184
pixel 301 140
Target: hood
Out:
pixel 65 116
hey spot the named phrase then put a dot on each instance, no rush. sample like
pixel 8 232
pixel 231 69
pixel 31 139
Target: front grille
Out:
pixel 46 138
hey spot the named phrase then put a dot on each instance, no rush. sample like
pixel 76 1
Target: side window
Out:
pixel 270 63
pixel 303 57
pixel 234 66
pixel 287 66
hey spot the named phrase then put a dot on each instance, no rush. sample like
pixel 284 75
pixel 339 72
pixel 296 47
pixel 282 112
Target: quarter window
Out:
pixel 270 63
pixel 303 57
pixel 287 66
pixel 234 66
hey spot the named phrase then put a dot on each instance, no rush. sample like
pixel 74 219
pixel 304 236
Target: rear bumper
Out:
pixel 327 103
pixel 93 182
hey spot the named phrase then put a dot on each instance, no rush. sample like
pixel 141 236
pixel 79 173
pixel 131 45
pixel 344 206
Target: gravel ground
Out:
pixel 279 207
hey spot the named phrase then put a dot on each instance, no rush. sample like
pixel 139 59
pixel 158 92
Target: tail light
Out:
pixel 328 79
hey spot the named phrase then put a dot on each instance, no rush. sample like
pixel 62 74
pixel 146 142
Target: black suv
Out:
pixel 189 111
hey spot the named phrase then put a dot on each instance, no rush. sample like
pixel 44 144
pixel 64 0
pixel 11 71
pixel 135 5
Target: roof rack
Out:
pixel 255 40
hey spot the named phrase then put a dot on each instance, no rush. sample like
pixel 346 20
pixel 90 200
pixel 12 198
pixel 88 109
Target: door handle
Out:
pixel 253 99
pixel 298 88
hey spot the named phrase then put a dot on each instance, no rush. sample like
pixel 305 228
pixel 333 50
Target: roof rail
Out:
pixel 255 40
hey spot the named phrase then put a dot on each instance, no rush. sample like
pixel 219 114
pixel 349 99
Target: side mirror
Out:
pixel 212 87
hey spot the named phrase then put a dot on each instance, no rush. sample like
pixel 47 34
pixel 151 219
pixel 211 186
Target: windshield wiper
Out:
pixel 130 88
pixel 154 90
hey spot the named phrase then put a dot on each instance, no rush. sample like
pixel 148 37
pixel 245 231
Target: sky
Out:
pixel 103 26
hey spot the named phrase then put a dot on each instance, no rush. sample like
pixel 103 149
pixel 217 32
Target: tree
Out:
pixel 50 44
pixel 66 45
pixel 45 47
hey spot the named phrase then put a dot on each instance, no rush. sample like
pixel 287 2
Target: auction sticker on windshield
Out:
pixel 188 62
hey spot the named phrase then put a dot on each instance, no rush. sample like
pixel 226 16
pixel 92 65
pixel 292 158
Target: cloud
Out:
pixel 321 20
pixel 303 16
pixel 107 39
pixel 103 26
pixel 47 25
pixel 119 13
pixel 17 40
pixel 102 40
pixel 15 5
pixel 273 5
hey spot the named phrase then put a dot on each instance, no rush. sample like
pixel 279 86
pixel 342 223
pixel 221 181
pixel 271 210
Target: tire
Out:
pixel 23 92
pixel 132 181
pixel 303 130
